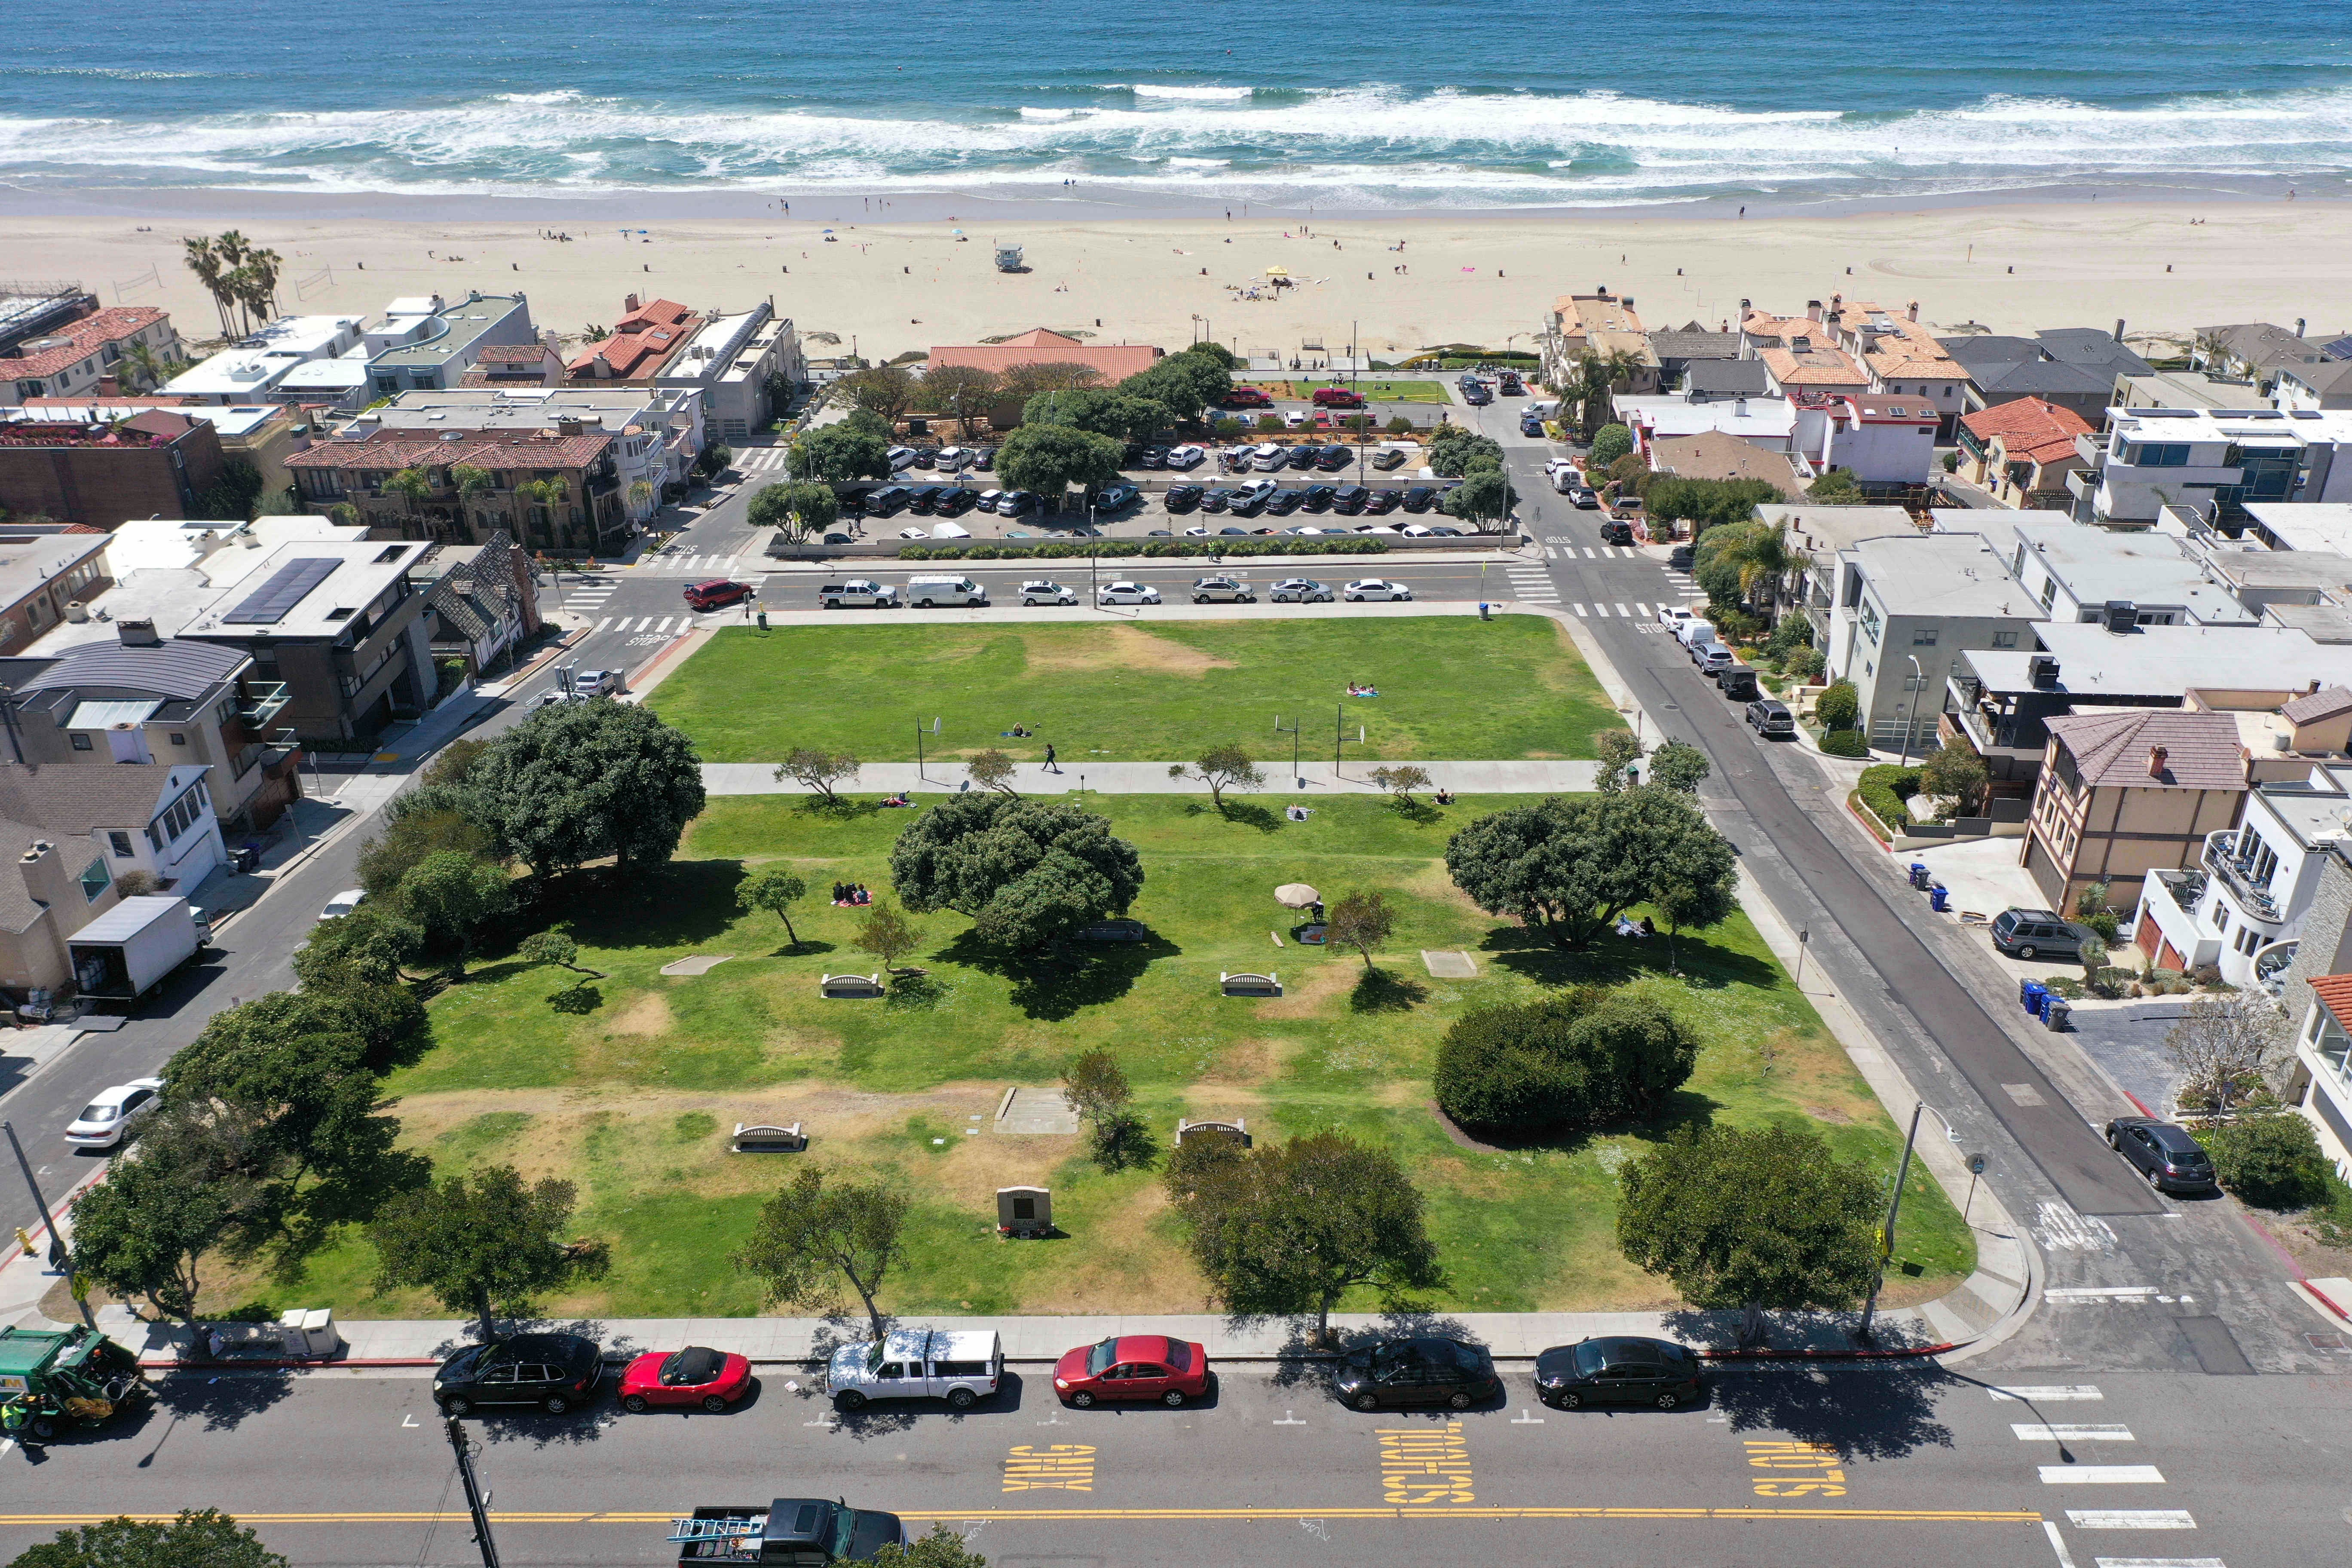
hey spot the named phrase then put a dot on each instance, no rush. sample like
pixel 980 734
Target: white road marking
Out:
pixel 2045 1393
pixel 2043 1432
pixel 2058 1544
pixel 2159 1563
pixel 2101 1293
pixel 2102 1476
pixel 2130 1519
pixel 2060 1229
pixel 1289 1420
pixel 602 623
pixel 1622 611
pixel 408 1420
pixel 665 623
pixel 1578 608
pixel 1524 1419
pixel 1588 552
pixel 1642 609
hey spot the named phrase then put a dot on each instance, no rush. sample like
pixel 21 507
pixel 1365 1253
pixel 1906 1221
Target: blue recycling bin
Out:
pixel 1918 874
pixel 2034 993
pixel 1940 898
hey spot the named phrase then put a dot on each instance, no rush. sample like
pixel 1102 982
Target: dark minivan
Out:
pixel 1420 1371
pixel 555 1372
pixel 2163 1153
pixel 2036 934
pixel 1617 1370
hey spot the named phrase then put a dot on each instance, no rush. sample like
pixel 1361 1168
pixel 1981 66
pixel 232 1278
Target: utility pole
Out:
pixel 1886 1236
pixel 476 1503
pixel 58 1253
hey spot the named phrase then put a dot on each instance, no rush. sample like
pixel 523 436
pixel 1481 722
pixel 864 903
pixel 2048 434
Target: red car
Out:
pixel 717 592
pixel 1338 397
pixel 1132 1366
pixel 1247 397
pixel 711 1379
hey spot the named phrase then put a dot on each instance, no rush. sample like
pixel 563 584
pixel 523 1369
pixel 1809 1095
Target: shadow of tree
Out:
pixel 672 905
pixel 917 992
pixel 1614 959
pixel 577 1000
pixel 1125 1144
pixel 1875 1413
pixel 807 947
pixel 1241 813
pixel 1303 1363
pixel 847 809
pixel 1379 991
pixel 1058 981
pixel 1419 812
pixel 220 1401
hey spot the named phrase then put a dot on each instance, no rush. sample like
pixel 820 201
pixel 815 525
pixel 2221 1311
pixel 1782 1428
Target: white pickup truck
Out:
pixel 858 592
pixel 962 1366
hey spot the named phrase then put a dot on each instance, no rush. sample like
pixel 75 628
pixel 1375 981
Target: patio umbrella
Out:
pixel 1296 895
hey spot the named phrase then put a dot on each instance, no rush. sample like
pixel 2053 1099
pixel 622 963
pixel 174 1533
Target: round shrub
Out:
pixel 2271 1162
pixel 1610 442
pixel 1844 744
pixel 1839 706
pixel 1573 1058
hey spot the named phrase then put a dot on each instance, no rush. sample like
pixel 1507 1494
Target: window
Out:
pixel 1922 637
pixel 2154 454
pixel 178 739
pixel 2004 640
pixel 121 843
pixel 95 879
pixel 81 743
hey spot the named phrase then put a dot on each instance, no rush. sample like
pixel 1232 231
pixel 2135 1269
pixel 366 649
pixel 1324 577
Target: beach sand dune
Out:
pixel 1488 281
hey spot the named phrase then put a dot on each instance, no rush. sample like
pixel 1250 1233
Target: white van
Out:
pixel 1694 632
pixel 923 592
pixel 962 1366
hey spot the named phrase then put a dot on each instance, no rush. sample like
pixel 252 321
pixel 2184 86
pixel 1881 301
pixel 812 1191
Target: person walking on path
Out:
pixel 1051 766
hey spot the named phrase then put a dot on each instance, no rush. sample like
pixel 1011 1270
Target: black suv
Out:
pixel 1416 1372
pixel 2037 933
pixel 1282 503
pixel 1420 497
pixel 1180 497
pixel 1303 457
pixel 2166 1154
pixel 555 1372
pixel 1334 458
pixel 1617 1370
pixel 1616 530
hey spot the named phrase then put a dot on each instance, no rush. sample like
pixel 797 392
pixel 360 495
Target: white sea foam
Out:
pixel 1198 94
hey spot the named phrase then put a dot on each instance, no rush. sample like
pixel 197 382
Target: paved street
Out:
pixel 1850 1468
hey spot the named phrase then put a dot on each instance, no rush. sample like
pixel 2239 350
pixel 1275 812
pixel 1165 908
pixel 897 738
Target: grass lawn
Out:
pixel 630 1084
pixel 1381 389
pixel 1452 687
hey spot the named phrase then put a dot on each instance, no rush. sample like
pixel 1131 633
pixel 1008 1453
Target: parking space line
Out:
pixel 2038 1432
pixel 2102 1476
pixel 2130 1519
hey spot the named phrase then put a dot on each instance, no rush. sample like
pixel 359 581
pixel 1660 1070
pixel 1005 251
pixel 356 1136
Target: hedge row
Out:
pixel 1844 744
pixel 1885 788
pixel 1121 548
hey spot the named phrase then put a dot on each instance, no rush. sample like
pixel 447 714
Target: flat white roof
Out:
pixel 2150 568
pixel 232 419
pixel 231 372
pixel 2165 661
pixel 2302 525
pixel 325 375
pixel 1744 418
pixel 304 337
pixel 1941 574
pixel 2262 426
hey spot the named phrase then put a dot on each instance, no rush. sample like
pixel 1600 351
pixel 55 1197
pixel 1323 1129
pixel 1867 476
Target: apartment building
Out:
pixel 642 345
pixel 2073 368
pixel 558 493
pixel 251 370
pixel 744 365
pixel 262 434
pixel 66 834
pixel 1597 325
pixel 163 463
pixel 1903 359
pixel 44 578
pixel 1903 609
pixel 426 343
pixel 659 431
pixel 2022 449
pixel 2215 462
pixel 96 355
pixel 2122 580
pixel 2128 792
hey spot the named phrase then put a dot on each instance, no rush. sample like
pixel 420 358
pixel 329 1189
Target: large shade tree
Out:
pixel 1050 459
pixel 1025 871
pixel 1569 865
pixel 1760 1217
pixel 579 781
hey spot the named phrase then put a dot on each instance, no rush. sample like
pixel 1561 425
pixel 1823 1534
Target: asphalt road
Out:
pixel 1839 1469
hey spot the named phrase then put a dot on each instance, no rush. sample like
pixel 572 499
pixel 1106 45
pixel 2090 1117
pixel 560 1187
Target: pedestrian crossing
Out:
pixel 658 626
pixel 2074 1473
pixel 1533 584
pixel 691 566
pixel 1636 611
pixel 759 459
pixel 589 600
pixel 1605 553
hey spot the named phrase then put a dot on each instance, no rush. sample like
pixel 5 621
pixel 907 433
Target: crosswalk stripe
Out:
pixel 2102 1476
pixel 1578 608
pixel 602 623
pixel 2130 1519
pixel 1588 552
pixel 1622 611
pixel 2041 1432
pixel 665 623
pixel 2159 1563
pixel 1640 609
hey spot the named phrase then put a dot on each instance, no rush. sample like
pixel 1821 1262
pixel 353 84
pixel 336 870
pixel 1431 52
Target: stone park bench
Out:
pixel 837 987
pixel 767 1138
pixel 1250 984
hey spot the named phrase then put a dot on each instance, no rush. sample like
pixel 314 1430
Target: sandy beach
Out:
pixel 891 285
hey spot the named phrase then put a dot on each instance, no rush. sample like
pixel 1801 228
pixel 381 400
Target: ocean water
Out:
pixel 1379 104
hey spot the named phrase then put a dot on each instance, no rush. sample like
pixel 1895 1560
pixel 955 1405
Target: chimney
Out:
pixel 2120 329
pixel 630 303
pixel 1911 312
pixel 1746 305
pixel 1813 309
pixel 137 634
pixel 2156 755
pixel 2298 326
pixel 2312 688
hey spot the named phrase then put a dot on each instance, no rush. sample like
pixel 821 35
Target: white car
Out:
pixel 988 500
pixel 1197 531
pixel 1673 615
pixel 347 900
pixel 1222 589
pixel 104 1120
pixel 1186 457
pixel 1296 419
pixel 1127 594
pixel 597 682
pixel 1300 591
pixel 551 697
pixel 962 1366
pixel 1254 492
pixel 1045 591
pixel 1364 588
pixel 912 533
pixel 951 459
pixel 901 457
pixel 1416 530
pixel 1269 458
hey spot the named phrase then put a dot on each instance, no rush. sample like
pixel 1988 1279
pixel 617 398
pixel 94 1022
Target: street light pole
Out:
pixel 1916 687
pixel 1895 1207
pixel 58 1253
pixel 476 1503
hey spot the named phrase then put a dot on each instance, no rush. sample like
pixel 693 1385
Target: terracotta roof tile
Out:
pixel 2313 706
pixel 2335 993
pixel 1818 366
pixel 88 335
pixel 2029 429
pixel 494 450
pixel 2111 749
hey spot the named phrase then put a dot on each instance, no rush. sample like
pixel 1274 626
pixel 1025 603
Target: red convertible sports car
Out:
pixel 1132 1366
pixel 709 1378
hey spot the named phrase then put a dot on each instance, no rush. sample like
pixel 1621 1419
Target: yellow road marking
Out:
pixel 1828 1480
pixel 1423 1465
pixel 1057 1467
pixel 1752 1515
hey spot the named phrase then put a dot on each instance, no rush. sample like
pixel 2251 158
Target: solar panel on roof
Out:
pixel 268 603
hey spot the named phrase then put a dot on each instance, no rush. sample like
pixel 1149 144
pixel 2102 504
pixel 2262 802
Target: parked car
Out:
pixel 2164 1152
pixel 1711 657
pixel 1390 458
pixel 1300 591
pixel 1298 457
pixel 1616 530
pixel 1125 593
pixel 948 459
pixel 109 1115
pixel 887 499
pixel 1155 457
pixel 1477 396
pixel 1129 1368
pixel 984 458
pixel 926 457
pixel 1221 590
pixel 1216 499
pixel 1420 497
pixel 901 457
pixel 350 898
pixel 712 1380
pixel 1335 458
pixel 920 497
pixel 1016 503
pixel 912 533
pixel 1186 455
pixel 1296 419
pixel 1736 683
pixel 1116 496
pixel 1380 503
pixel 1318 496
pixel 1285 501
pixel 1045 591
pixel 2037 933
pixel 716 593
pixel 596 682
pixel 1349 500
pixel 1508 382
pixel 1584 498
pixel 953 501
pixel 1180 498
pixel 554 1372
pixel 1364 588
pixel 858 592
pixel 962 1366
pixel 1618 1370
pixel 1246 397
pixel 1771 719
pixel 945 588
pixel 1674 617
pixel 1417 1371
pixel 1269 458
pixel 1338 397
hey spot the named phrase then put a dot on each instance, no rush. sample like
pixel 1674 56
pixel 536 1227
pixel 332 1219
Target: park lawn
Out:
pixel 1381 389
pixel 1452 687
pixel 629 1085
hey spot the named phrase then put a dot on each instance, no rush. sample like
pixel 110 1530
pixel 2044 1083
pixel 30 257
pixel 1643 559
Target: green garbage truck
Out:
pixel 52 1379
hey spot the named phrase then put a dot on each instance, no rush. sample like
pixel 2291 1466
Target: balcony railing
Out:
pixel 264 699
pixel 2254 897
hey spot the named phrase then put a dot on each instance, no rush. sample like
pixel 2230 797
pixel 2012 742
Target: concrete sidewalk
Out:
pixel 1151 778
pixel 786 1342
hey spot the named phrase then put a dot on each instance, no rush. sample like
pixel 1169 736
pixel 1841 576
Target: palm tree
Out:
pixel 1597 376
pixel 412 485
pixel 149 366
pixel 1764 556
pixel 546 493
pixel 231 249
pixel 469 481
pixel 641 497
pixel 259 292
pixel 205 262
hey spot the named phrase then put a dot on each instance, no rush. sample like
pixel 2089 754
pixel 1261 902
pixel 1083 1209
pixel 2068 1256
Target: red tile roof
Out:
pixel 2029 429
pixel 495 451
pixel 88 335
pixel 512 354
pixel 2335 993
pixel 658 314
pixel 1112 362
pixel 629 355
